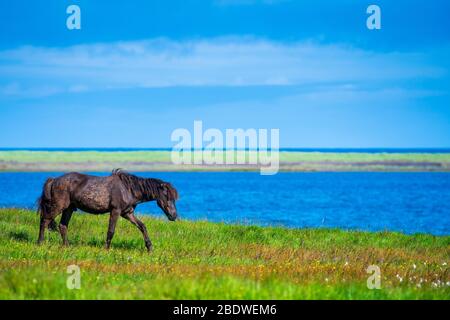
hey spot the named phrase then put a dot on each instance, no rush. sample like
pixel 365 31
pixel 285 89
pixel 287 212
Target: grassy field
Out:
pixel 161 161
pixel 203 260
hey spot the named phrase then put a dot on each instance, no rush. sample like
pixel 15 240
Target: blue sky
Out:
pixel 137 70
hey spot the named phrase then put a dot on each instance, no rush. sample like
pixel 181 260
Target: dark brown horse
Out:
pixel 118 194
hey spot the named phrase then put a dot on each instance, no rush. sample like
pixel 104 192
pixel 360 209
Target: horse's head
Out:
pixel 167 196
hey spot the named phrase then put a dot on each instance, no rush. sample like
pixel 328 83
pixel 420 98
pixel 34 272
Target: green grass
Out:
pixel 161 161
pixel 204 260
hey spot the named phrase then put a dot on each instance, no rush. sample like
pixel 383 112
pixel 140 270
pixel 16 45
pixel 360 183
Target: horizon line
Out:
pixel 292 149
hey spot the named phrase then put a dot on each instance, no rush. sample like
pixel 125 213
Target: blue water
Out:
pixel 406 202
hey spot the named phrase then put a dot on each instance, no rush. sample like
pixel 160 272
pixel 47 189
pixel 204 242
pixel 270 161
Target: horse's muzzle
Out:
pixel 172 218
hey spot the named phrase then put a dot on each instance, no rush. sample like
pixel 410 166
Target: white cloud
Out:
pixel 241 61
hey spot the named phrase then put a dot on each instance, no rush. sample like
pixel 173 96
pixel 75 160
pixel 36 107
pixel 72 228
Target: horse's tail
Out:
pixel 45 201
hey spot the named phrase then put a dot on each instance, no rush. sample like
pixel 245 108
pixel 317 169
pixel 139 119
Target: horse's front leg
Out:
pixel 141 226
pixel 113 217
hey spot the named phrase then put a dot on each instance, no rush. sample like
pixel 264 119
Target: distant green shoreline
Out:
pixel 29 161
pixel 205 260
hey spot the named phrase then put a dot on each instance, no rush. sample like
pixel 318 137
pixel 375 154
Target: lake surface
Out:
pixel 406 202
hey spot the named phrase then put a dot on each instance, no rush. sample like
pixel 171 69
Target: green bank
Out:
pixel 161 161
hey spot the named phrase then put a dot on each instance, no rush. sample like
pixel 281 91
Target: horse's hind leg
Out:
pixel 46 220
pixel 141 226
pixel 52 226
pixel 64 224
pixel 43 224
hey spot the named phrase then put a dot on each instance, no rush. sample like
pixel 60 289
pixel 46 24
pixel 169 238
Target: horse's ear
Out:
pixel 170 190
pixel 164 187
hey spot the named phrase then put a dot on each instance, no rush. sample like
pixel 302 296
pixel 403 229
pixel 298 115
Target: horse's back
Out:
pixel 92 193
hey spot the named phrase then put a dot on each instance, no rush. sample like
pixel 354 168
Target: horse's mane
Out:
pixel 147 186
